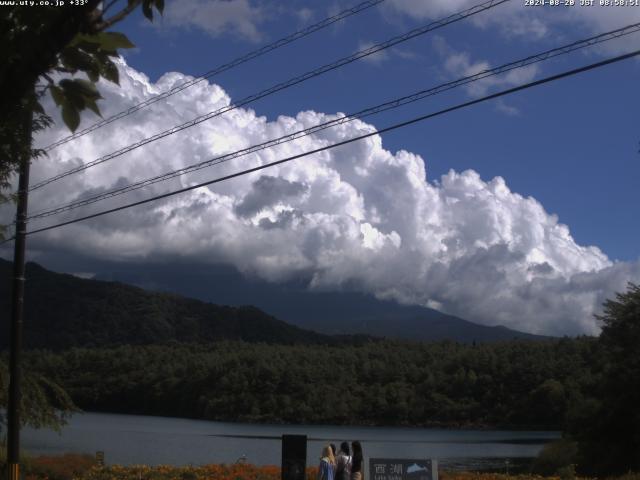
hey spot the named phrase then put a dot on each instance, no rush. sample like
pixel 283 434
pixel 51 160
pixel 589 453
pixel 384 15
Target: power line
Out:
pixel 563 50
pixel 220 69
pixel 351 140
pixel 281 86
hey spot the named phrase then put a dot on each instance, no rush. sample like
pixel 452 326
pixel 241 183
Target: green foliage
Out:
pixel 44 404
pixel 281 373
pixel 548 401
pixel 147 7
pixel 67 45
pixel 555 458
pixel 15 142
pixel 376 382
pixel 567 472
pixel 50 49
pixel 25 459
pixel 609 431
pixel 91 55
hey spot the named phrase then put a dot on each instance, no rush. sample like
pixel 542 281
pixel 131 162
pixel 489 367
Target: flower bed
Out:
pixel 83 467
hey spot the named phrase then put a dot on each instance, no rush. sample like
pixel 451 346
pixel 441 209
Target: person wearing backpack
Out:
pixel 343 462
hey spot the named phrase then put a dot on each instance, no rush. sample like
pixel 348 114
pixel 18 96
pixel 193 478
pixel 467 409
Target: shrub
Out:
pixel 25 461
pixel 557 458
pixel 59 467
pixel 205 472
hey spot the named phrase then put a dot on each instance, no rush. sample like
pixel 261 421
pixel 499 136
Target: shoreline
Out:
pixel 472 427
pixel 134 439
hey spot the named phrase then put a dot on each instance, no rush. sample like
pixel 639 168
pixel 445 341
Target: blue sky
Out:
pixel 519 212
pixel 572 145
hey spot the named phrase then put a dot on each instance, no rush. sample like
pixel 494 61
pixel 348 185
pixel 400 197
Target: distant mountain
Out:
pixel 325 312
pixel 63 311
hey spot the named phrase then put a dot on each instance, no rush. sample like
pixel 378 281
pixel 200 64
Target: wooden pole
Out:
pixel 17 306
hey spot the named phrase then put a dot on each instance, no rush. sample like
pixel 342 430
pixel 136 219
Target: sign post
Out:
pixel 403 469
pixel 294 457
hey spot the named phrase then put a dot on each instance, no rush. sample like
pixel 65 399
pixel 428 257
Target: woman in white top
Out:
pixel 343 462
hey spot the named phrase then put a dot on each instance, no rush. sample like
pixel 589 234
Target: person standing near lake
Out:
pixel 327 466
pixel 357 461
pixel 343 462
pixel 333 449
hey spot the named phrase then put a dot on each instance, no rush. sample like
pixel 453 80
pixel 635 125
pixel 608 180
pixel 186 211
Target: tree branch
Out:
pixel 109 5
pixel 37 57
pixel 99 27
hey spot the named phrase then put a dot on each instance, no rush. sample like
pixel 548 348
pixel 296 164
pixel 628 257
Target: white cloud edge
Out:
pixel 359 215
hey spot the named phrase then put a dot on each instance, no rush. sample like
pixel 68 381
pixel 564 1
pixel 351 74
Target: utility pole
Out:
pixel 17 303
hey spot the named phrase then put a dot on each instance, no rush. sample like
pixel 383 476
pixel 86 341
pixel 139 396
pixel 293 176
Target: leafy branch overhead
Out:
pixel 44 404
pixel 59 51
pixel 91 54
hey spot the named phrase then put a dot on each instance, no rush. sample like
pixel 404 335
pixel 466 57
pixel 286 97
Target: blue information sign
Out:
pixel 402 469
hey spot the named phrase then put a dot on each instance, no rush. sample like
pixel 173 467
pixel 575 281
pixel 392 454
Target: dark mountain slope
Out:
pixel 63 311
pixel 326 312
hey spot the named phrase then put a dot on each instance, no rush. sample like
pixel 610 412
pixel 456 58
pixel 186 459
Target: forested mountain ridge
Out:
pixel 63 311
pixel 516 384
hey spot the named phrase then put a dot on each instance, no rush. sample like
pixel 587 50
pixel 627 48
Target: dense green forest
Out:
pixel 514 384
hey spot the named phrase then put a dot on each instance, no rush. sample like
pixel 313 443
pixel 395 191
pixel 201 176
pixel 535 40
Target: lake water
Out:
pixel 135 439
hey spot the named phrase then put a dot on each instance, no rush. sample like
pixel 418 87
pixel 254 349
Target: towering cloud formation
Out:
pixel 358 216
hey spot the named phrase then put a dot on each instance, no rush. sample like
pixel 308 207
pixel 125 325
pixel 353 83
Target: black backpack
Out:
pixel 343 473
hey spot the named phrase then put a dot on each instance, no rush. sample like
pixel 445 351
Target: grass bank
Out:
pixel 84 467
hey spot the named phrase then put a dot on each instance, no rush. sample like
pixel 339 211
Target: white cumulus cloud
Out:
pixel 358 216
pixel 216 17
pixel 459 64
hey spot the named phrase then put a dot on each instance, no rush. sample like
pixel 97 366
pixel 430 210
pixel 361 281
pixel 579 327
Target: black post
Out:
pixel 294 457
pixel 17 308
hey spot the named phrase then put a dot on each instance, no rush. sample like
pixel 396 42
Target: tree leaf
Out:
pixel 93 75
pixel 72 94
pixel 89 47
pixel 57 94
pixel 80 86
pixel 109 71
pixel 75 59
pixel 91 105
pixel 160 6
pixel 79 38
pixel 87 88
pixel 109 40
pixel 70 115
pixel 146 9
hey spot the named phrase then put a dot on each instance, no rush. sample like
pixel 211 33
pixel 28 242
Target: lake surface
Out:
pixel 135 439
